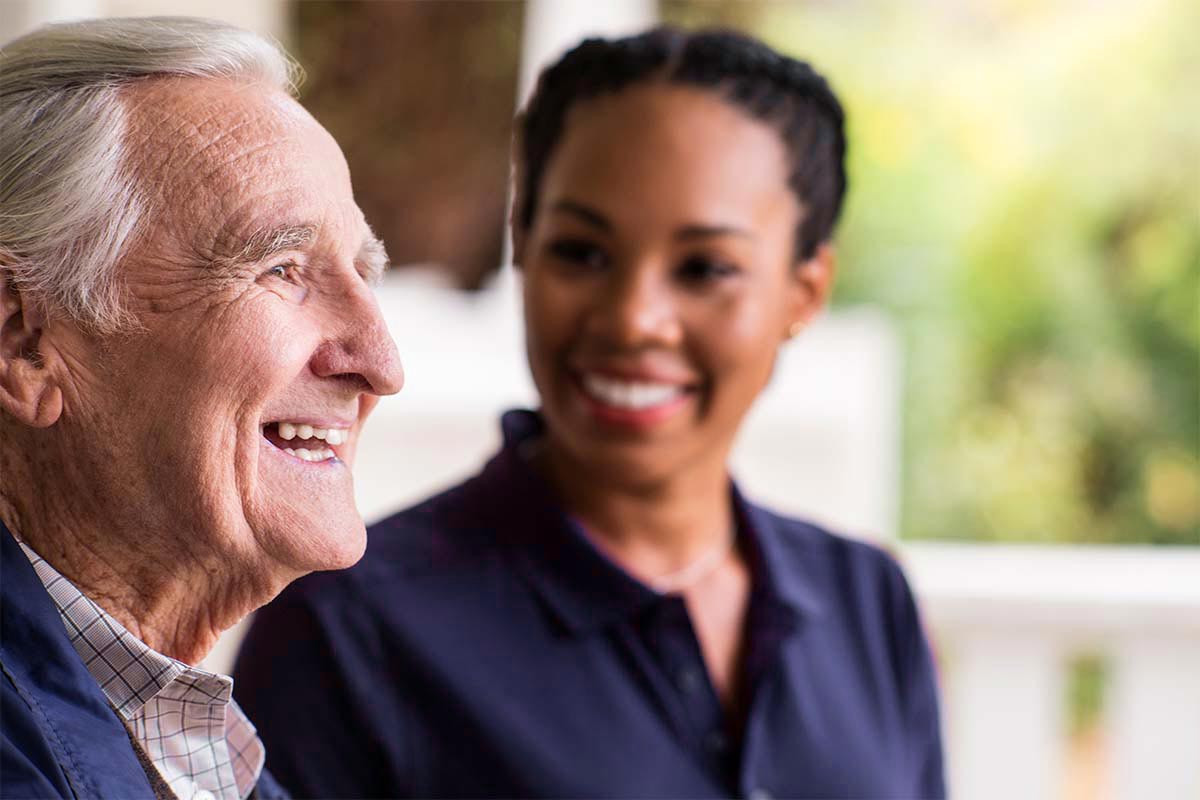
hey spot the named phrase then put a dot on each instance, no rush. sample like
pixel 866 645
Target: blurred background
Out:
pixel 1007 392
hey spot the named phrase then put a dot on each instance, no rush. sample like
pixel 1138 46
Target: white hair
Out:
pixel 69 204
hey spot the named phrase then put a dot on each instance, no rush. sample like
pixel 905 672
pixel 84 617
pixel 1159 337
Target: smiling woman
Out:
pixel 601 612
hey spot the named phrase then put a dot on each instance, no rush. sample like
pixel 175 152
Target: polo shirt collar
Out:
pixel 780 567
pixel 581 586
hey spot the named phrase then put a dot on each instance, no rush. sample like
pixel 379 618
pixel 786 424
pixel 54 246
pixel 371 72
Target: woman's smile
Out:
pixel 634 403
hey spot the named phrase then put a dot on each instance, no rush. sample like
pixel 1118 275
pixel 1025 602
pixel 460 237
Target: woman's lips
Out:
pixel 638 403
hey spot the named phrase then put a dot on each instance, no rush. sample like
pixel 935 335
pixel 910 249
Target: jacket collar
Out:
pixel 89 742
pixel 583 588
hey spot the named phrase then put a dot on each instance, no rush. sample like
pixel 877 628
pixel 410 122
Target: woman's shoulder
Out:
pixel 839 570
pixel 807 538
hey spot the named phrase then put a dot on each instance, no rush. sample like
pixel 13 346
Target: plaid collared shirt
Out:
pixel 184 717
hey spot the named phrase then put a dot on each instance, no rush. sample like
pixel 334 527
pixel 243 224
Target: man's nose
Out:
pixel 363 349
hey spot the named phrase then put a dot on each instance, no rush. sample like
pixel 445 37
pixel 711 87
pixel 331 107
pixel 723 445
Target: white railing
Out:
pixel 1006 620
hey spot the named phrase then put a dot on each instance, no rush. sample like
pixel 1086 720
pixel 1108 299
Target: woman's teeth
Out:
pixel 289 431
pixel 632 395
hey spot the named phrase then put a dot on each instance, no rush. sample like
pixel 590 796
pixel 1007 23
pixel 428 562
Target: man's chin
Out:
pixel 338 546
pixel 313 538
pixel 312 522
pixel 350 548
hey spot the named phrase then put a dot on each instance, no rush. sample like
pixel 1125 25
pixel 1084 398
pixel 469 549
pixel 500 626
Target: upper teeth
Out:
pixel 630 394
pixel 290 430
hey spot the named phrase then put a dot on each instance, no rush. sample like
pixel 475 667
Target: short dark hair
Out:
pixel 784 92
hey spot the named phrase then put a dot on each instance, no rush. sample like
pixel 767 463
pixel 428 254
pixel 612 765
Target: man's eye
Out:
pixel 579 253
pixel 701 269
pixel 285 271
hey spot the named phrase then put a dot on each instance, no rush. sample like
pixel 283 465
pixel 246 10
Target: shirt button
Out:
pixel 203 794
pixel 689 679
pixel 716 742
pixel 759 794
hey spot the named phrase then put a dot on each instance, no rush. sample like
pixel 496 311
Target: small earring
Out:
pixel 795 328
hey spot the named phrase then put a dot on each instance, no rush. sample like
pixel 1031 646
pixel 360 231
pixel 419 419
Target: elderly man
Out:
pixel 188 347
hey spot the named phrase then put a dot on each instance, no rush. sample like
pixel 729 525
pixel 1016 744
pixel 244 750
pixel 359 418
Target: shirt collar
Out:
pixel 583 588
pixel 129 671
pixel 131 674
pixel 783 573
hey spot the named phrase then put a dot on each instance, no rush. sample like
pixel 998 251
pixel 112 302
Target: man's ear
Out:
pixel 812 284
pixel 29 390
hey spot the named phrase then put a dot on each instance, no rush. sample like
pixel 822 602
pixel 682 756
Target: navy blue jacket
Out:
pixel 60 736
pixel 485 648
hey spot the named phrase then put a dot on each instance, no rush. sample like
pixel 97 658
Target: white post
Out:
pixel 1004 715
pixel 554 26
pixel 1154 716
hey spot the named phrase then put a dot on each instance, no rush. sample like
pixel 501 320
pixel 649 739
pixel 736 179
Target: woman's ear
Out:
pixel 516 210
pixel 812 284
pixel 518 238
pixel 29 390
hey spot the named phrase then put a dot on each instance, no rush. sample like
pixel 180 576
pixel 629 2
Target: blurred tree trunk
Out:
pixel 420 96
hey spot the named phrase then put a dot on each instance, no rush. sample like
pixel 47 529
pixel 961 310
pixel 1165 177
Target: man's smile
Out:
pixel 306 441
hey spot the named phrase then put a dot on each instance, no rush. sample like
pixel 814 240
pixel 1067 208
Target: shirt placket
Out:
pixel 768 627
pixel 204 702
pixel 672 641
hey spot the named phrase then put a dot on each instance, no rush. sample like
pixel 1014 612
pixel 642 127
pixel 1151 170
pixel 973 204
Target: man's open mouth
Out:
pixel 306 442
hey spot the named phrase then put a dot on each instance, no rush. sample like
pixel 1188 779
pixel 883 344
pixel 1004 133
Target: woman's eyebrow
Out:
pixel 706 231
pixel 583 213
pixel 592 217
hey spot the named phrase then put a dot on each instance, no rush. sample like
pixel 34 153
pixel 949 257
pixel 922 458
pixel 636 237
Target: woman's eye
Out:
pixel 701 269
pixel 579 253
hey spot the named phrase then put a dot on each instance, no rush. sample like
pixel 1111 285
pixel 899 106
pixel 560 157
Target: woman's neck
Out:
pixel 652 529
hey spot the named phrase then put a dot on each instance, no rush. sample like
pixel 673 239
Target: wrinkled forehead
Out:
pixel 219 159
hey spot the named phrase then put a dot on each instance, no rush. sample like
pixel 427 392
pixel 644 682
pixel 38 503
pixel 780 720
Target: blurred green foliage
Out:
pixel 1087 683
pixel 1025 203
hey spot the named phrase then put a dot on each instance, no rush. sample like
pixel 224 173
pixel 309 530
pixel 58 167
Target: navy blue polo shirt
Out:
pixel 484 647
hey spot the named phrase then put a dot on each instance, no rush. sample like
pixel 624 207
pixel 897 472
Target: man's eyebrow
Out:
pixel 373 259
pixel 267 242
